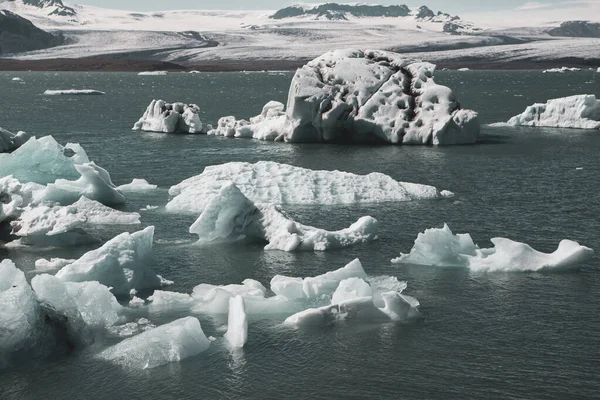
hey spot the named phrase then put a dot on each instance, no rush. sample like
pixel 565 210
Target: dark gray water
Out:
pixel 497 335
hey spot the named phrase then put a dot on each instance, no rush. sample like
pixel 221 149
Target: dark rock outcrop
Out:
pixel 18 34
pixel 577 29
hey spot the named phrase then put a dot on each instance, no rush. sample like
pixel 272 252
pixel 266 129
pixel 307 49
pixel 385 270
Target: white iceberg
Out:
pixel 213 299
pixel 170 300
pixel 267 182
pixel 231 216
pixel 153 73
pixel 269 125
pixel 73 92
pixel 120 264
pixel 237 325
pixel 561 70
pixel 580 111
pixel 440 247
pixel 161 116
pixel 17 79
pixel 463 69
pixel 168 343
pixel 137 185
pixel 11 141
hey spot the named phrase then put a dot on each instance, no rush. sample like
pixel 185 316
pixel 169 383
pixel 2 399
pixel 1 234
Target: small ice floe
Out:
pixel 153 73
pixel 73 92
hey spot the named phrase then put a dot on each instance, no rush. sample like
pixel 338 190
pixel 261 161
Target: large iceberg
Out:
pixel 580 111
pixel 231 216
pixel 161 116
pixel 267 182
pixel 120 264
pixel 168 343
pixel 442 248
pixel 363 96
pixel 10 141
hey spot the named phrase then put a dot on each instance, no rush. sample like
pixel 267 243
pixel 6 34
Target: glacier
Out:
pixel 161 116
pixel 579 111
pixel 362 96
pixel 11 141
pixel 231 216
pixel 121 264
pixel 267 182
pixel 442 248
pixel 237 323
pixel 168 343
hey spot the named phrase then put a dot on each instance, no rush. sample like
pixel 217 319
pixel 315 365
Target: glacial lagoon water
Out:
pixel 484 336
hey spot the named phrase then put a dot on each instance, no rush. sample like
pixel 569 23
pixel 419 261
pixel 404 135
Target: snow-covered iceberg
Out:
pixel 580 111
pixel 237 323
pixel 363 96
pixel 231 216
pixel 73 92
pixel 269 125
pixel 161 116
pixel 442 248
pixel 267 182
pixel 168 343
pixel 121 264
pixel 561 70
pixel 137 185
pixel 11 141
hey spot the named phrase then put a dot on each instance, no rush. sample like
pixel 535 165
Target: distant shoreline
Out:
pixel 134 65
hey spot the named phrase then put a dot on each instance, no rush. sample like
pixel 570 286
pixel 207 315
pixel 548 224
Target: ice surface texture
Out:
pixel 442 248
pixel 580 111
pixel 267 182
pixel 362 96
pixel 231 216
pixel 161 116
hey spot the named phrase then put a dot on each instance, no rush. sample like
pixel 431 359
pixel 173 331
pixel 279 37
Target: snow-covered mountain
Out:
pixel 49 7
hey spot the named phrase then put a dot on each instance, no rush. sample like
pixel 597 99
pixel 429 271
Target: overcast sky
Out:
pixel 455 6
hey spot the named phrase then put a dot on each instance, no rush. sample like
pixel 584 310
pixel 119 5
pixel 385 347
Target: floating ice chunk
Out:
pixel 267 182
pixel 43 265
pixel 17 79
pixel 149 208
pixel 237 324
pixel 120 264
pixel 360 96
pixel 14 195
pixel 20 315
pixel 581 111
pixel 73 92
pixel 270 124
pixel 170 300
pixel 318 286
pixel 351 288
pixel 152 73
pixel 231 216
pixel 168 343
pixel 170 118
pixel 212 299
pixel 94 183
pixel 464 69
pixel 440 247
pixel 137 185
pixel 11 141
pixel 561 70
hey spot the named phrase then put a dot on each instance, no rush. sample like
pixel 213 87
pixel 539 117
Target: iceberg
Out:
pixel 120 264
pixel 237 325
pixel 161 116
pixel 580 111
pixel 73 92
pixel 440 247
pixel 561 70
pixel 153 73
pixel 267 182
pixel 54 264
pixel 231 216
pixel 168 343
pixel 213 299
pixel 137 185
pixel 11 141
pixel 170 300
pixel 363 96
pixel 269 125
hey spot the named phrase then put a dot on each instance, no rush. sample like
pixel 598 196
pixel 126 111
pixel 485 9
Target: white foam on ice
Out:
pixel 161 116
pixel 237 323
pixel 73 92
pixel 267 182
pixel 440 247
pixel 231 216
pixel 580 111
pixel 120 263
pixel 168 343
pixel 137 185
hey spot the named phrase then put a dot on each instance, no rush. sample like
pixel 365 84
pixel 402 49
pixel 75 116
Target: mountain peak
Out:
pixel 52 7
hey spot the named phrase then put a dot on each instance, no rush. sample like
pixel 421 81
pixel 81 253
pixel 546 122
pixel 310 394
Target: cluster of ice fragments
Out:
pixel 50 194
pixel 580 111
pixel 267 182
pixel 351 96
pixel 442 248
pixel 232 216
pixel 161 116
pixel 10 141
